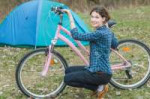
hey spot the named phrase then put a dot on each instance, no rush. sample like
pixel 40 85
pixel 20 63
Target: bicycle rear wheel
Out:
pixel 138 54
pixel 29 79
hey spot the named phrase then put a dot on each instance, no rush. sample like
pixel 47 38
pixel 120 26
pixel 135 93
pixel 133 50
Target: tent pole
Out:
pixel 38 20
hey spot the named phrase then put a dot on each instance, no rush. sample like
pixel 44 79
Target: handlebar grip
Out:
pixel 57 9
pixel 52 9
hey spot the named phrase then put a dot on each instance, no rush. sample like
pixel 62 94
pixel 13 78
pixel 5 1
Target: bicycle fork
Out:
pixel 48 59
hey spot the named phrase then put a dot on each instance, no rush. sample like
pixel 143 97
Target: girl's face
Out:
pixel 97 20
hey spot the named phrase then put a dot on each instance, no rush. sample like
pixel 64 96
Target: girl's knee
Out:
pixel 66 79
pixel 67 70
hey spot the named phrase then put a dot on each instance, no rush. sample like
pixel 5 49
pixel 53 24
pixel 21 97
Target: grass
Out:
pixel 133 23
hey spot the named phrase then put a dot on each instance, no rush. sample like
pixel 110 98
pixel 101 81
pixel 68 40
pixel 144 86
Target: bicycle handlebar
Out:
pixel 57 10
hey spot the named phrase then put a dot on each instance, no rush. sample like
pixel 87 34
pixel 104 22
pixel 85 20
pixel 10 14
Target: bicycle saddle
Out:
pixel 111 23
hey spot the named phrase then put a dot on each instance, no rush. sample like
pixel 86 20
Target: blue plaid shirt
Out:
pixel 100 43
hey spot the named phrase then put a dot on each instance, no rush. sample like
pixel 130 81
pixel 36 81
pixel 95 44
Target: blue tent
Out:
pixel 34 24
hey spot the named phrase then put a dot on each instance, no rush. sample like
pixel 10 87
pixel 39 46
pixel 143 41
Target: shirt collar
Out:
pixel 101 27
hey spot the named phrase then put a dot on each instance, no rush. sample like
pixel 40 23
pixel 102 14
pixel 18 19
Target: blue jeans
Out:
pixel 78 76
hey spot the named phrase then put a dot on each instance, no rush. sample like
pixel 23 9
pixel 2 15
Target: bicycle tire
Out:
pixel 20 69
pixel 145 78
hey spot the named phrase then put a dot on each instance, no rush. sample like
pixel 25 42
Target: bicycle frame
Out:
pixel 58 35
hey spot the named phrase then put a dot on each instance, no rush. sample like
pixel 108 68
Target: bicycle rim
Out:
pixel 35 85
pixel 138 55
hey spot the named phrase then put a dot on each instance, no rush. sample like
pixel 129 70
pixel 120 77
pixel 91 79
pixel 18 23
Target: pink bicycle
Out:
pixel 40 73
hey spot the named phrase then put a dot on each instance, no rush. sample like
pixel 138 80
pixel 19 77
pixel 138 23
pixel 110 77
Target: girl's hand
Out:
pixel 66 11
pixel 72 24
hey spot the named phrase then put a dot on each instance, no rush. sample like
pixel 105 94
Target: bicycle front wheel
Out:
pixel 138 54
pixel 29 79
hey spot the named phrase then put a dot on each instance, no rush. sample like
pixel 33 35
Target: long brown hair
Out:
pixel 102 12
